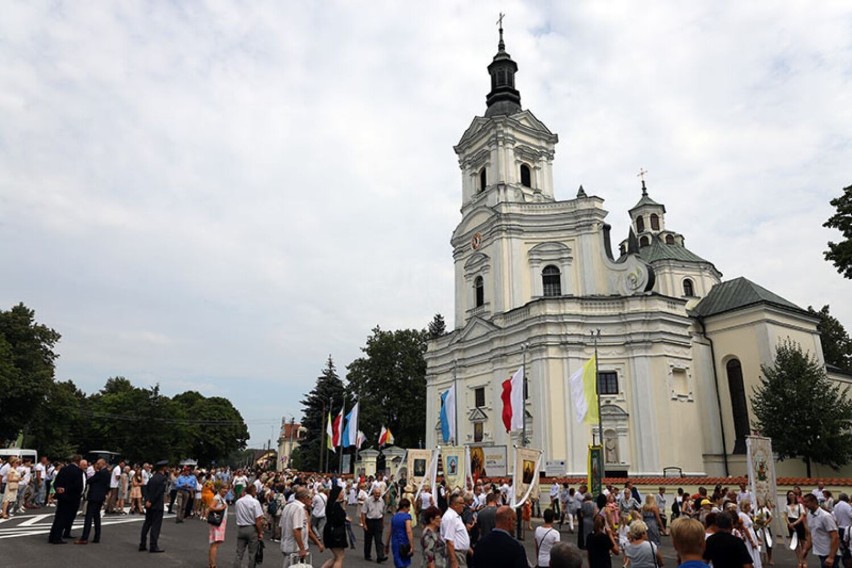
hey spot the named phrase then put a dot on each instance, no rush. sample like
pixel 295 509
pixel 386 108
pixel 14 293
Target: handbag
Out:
pixel 215 518
pixel 258 556
pixel 293 561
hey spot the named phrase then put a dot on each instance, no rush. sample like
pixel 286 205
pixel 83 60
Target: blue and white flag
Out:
pixel 350 433
pixel 448 414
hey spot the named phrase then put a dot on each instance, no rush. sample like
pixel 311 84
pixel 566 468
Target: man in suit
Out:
pixel 98 489
pixel 154 506
pixel 69 489
pixel 499 549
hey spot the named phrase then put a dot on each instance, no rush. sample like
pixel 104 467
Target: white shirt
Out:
pixel 146 475
pixel 4 471
pixel 425 500
pixel 115 477
pixel 453 530
pixel 26 476
pixel 821 524
pixel 545 538
pixel 554 491
pixel 843 514
pixel 318 506
pixel 293 517
pixel 241 480
pixel 246 510
pixel 353 496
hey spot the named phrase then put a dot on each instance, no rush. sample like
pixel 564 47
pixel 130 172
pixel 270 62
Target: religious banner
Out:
pixel 454 460
pixel 525 478
pixel 488 461
pixel 596 470
pixel 418 465
pixel 761 471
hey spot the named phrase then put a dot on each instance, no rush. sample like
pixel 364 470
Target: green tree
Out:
pixel 840 254
pixel 437 327
pixel 60 423
pixel 836 344
pixel 26 368
pixel 390 383
pixel 802 410
pixel 215 428
pixel 326 397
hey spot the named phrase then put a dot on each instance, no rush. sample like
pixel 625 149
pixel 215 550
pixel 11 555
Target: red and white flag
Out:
pixel 513 401
pixel 337 428
pixel 385 437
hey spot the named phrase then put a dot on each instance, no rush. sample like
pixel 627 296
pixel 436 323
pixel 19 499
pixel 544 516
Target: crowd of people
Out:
pixel 470 527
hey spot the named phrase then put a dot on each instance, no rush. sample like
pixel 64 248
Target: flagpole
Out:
pixel 596 336
pixel 325 446
pixel 456 397
pixel 322 446
pixel 342 418
pixel 524 395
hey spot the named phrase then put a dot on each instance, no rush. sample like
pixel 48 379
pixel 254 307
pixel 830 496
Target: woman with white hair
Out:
pixel 641 553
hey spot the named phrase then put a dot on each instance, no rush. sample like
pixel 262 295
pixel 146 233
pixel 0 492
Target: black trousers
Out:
pixel 66 510
pixel 373 532
pixel 153 522
pixel 93 515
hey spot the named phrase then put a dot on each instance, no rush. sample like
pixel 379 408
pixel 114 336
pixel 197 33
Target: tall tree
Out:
pixel 802 410
pixel 437 327
pixel 836 343
pixel 59 426
pixel 214 430
pixel 840 254
pixel 390 383
pixel 26 368
pixel 326 397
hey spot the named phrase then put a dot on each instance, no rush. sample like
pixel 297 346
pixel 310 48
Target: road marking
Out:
pixel 34 520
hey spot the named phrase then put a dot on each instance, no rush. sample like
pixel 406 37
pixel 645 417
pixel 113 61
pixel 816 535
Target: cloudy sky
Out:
pixel 217 196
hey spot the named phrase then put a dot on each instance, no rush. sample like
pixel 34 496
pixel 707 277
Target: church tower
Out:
pixel 506 155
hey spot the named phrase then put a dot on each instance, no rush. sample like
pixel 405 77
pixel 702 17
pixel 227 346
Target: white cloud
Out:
pixel 221 194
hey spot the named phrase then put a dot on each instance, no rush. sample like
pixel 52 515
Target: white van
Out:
pixel 22 453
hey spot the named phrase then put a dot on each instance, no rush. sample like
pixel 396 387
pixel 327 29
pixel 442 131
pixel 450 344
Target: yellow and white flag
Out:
pixel 584 393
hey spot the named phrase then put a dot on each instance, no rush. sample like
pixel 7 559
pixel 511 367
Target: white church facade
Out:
pixel 679 349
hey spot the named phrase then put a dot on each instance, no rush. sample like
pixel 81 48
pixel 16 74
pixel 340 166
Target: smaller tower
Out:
pixel 647 216
pixel 503 99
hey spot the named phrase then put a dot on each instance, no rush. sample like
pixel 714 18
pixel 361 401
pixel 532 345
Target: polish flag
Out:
pixel 337 429
pixel 513 401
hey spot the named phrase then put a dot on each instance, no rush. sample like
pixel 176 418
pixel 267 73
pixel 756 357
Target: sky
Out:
pixel 216 196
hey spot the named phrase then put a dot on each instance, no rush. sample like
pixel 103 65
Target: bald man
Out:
pixel 499 549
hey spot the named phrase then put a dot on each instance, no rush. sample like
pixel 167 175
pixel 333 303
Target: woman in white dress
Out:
pixel 749 535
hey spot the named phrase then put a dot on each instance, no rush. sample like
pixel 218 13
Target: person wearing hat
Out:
pixel 154 506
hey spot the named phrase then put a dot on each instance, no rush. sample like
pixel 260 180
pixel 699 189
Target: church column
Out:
pixel 645 457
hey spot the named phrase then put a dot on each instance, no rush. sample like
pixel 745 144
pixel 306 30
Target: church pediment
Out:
pixel 478 124
pixel 550 251
pixel 475 327
pixel 475 262
pixel 474 220
pixel 528 119
pixel 477 415
pixel 613 413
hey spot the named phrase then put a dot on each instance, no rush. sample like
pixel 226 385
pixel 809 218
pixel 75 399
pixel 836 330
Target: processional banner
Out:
pixel 525 478
pixel 761 472
pixel 455 462
pixel 488 461
pixel 418 465
pixel 596 470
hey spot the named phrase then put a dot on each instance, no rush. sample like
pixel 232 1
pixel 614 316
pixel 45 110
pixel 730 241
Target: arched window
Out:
pixel 640 224
pixel 739 405
pixel 688 288
pixel 478 291
pixel 643 241
pixel 526 178
pixel 655 222
pixel 483 179
pixel 551 281
pixel 670 239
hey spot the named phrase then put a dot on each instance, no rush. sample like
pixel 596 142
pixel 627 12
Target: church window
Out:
pixel 501 77
pixel 551 281
pixel 483 179
pixel 643 241
pixel 688 288
pixel 670 239
pixel 477 432
pixel 739 405
pixel 640 224
pixel 608 382
pixel 526 177
pixel 478 291
pixel 479 397
pixel 655 222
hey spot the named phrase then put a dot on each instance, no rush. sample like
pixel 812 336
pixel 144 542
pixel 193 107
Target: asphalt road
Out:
pixel 23 542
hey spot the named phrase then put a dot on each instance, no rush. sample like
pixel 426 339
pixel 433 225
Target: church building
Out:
pixel 538 284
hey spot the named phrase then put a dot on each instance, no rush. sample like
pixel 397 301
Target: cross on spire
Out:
pixel 641 175
pixel 501 46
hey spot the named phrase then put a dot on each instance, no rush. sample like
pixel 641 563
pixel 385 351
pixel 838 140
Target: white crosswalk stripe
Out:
pixel 38 524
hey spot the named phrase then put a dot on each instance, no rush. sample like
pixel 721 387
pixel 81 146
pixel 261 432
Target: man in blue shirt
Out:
pixel 185 485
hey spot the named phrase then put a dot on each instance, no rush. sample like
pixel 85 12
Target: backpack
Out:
pixel 272 507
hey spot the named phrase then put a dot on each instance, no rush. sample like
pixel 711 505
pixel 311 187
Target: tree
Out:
pixel 214 430
pixel 60 423
pixel 437 327
pixel 802 410
pixel 836 343
pixel 841 253
pixel 390 383
pixel 326 397
pixel 26 368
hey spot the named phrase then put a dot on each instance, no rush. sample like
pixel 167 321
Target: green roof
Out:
pixel 737 294
pixel 659 250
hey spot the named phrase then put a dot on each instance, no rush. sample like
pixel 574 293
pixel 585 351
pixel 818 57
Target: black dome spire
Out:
pixel 503 99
